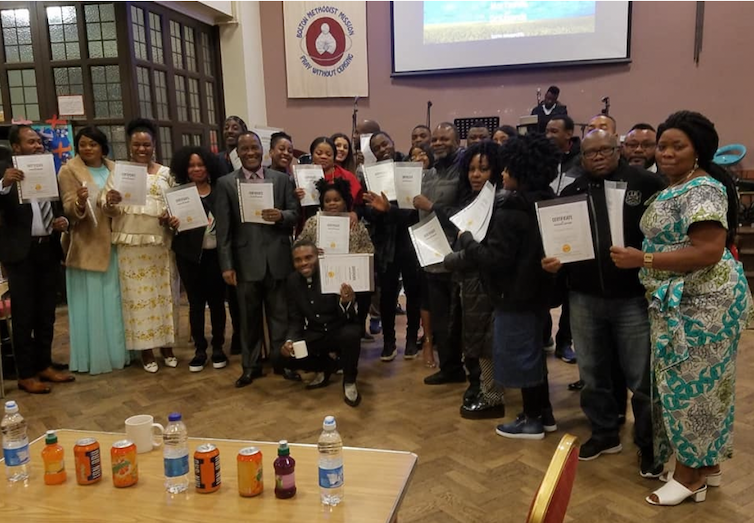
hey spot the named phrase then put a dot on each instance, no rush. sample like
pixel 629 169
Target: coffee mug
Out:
pixel 299 350
pixel 140 430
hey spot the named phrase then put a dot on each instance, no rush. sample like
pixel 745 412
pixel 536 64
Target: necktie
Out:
pixel 45 209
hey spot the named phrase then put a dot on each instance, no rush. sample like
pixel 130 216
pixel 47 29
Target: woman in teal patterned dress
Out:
pixel 699 302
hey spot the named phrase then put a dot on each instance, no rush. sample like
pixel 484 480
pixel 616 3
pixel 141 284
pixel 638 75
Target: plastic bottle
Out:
pixel 330 448
pixel 285 472
pixel 53 458
pixel 176 455
pixel 15 444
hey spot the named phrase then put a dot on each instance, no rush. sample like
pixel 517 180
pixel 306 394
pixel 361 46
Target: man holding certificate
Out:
pixel 31 253
pixel 256 257
pixel 608 308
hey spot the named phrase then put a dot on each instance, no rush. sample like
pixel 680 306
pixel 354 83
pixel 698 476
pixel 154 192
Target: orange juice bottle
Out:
pixel 52 456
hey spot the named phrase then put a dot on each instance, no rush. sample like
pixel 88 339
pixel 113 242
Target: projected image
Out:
pixel 449 22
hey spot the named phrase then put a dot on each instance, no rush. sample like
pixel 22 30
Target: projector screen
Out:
pixel 448 37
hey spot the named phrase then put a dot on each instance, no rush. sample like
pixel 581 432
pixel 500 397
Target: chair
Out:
pixel 729 155
pixel 551 501
pixel 5 315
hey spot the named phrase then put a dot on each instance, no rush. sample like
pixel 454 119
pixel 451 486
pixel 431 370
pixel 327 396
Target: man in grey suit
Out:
pixel 256 258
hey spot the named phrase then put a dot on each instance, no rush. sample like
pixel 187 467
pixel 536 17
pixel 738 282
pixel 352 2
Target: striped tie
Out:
pixel 45 209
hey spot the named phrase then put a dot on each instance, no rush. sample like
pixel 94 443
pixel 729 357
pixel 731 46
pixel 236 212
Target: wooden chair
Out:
pixel 551 501
pixel 5 315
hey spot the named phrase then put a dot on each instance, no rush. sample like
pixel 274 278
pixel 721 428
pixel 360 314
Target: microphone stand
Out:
pixel 356 141
pixel 606 108
pixel 429 110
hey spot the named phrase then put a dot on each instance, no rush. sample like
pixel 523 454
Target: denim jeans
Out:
pixel 606 331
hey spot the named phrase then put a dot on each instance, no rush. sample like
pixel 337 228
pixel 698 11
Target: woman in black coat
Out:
pixel 196 257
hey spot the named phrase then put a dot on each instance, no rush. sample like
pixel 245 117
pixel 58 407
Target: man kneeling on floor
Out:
pixel 328 323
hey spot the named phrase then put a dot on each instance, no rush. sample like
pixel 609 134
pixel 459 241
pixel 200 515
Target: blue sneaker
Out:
pixel 566 353
pixel 522 428
pixel 375 326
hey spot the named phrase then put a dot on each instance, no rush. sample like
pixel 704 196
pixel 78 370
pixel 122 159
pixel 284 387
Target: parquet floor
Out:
pixel 466 473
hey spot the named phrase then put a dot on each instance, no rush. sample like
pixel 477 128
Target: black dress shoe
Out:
pixel 442 377
pixel 246 379
pixel 291 375
pixel 480 409
pixel 321 380
pixel 471 395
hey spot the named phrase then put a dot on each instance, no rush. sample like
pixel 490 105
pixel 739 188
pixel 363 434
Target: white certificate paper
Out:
pixel 254 196
pixel 234 159
pixel 408 183
pixel 565 229
pixel 333 233
pixel 357 270
pixel 131 182
pixel 40 181
pixel 380 178
pixel 306 177
pixel 476 217
pixel 366 149
pixel 615 195
pixel 185 204
pixel 429 241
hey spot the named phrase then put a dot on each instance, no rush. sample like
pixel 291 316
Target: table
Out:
pixel 375 484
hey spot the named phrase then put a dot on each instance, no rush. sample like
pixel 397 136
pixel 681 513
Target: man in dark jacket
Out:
pixel 608 308
pixel 549 108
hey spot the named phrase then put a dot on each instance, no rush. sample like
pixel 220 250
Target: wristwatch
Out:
pixel 649 259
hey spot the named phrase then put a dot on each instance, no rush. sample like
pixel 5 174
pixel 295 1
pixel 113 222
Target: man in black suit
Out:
pixel 549 108
pixel 31 253
pixel 256 258
pixel 326 322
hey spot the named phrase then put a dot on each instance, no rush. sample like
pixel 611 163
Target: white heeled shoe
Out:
pixel 151 367
pixel 171 361
pixel 673 493
pixel 713 480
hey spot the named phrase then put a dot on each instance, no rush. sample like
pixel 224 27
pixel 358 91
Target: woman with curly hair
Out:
pixel 699 304
pixel 196 257
pixel 509 260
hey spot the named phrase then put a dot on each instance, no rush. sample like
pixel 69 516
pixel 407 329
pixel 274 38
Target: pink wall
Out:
pixel 661 79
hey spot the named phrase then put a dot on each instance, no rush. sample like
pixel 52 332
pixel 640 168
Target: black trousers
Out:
pixel 253 297
pixel 404 264
pixel 345 341
pixel 363 300
pixel 563 337
pixel 33 286
pixel 446 327
pixel 204 286
pixel 235 315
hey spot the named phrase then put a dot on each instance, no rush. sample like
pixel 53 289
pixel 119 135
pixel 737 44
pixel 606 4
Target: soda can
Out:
pixel 125 467
pixel 207 468
pixel 88 461
pixel 250 478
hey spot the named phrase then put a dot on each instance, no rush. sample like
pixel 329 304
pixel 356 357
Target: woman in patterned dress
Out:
pixel 147 275
pixel 699 304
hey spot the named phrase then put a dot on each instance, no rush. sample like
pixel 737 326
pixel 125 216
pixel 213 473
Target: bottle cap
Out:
pixel 11 407
pixel 283 449
pixel 174 416
pixel 329 423
pixel 51 437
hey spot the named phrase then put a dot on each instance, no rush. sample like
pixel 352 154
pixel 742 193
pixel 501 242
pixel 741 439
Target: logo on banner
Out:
pixel 325 37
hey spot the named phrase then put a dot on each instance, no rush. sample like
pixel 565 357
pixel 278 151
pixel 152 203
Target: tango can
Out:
pixel 88 461
pixel 123 459
pixel 250 478
pixel 207 468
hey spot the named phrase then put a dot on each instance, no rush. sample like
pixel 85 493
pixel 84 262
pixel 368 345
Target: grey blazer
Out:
pixel 252 249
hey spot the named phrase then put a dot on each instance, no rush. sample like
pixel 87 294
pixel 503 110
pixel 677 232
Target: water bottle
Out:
pixel 330 448
pixel 176 454
pixel 15 444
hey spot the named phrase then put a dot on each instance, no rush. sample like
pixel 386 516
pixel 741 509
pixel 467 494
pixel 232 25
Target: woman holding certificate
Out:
pixel 147 280
pixel 509 260
pixel 699 304
pixel 196 256
pixel 98 343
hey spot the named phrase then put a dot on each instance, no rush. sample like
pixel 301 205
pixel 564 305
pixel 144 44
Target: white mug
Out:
pixel 140 430
pixel 299 350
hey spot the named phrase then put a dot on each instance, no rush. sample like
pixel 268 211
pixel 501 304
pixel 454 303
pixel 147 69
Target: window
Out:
pixel 17 35
pixel 188 35
pixel 197 139
pixel 207 56
pixel 144 90
pixel 196 111
pixel 108 100
pixel 186 139
pixel 116 136
pixel 100 30
pixel 161 96
pixel 180 98
pixel 68 80
pixel 155 38
pixel 64 33
pixel 166 145
pixel 210 102
pixel 176 44
pixel 23 94
pixel 140 33
pixel 213 141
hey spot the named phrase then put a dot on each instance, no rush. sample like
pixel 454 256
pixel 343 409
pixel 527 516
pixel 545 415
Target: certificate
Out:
pixel 615 194
pixel 429 241
pixel 306 177
pixel 131 182
pixel 254 196
pixel 333 233
pixel 476 217
pixel 380 178
pixel 357 270
pixel 366 149
pixel 40 181
pixel 235 161
pixel 565 229
pixel 185 204
pixel 408 183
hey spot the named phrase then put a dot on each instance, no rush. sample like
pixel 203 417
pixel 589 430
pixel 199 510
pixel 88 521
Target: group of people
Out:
pixel 654 316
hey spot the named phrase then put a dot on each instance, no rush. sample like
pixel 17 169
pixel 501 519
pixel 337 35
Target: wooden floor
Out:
pixel 466 472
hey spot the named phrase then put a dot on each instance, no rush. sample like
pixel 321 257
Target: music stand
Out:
pixel 464 124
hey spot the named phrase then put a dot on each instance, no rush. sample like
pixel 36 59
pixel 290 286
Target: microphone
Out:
pixel 605 99
pixel 539 96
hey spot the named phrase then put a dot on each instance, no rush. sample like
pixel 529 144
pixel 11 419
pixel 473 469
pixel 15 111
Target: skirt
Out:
pixel 518 352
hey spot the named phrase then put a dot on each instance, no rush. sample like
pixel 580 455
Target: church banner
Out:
pixel 326 49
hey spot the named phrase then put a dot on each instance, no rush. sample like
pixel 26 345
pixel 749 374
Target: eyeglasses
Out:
pixel 604 152
pixel 640 145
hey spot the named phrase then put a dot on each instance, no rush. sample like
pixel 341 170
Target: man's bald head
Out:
pixel 600 153
pixel 604 122
pixel 368 127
